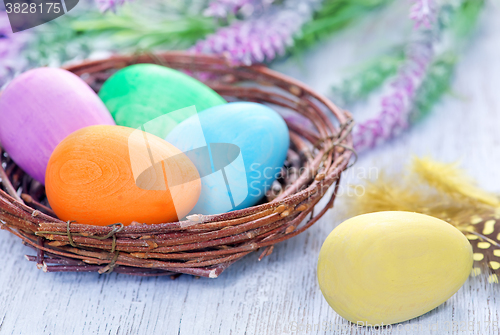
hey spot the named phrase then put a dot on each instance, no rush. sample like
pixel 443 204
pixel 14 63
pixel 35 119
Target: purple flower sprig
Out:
pixel 397 105
pixel 10 46
pixel 224 8
pixel 423 12
pixel 261 38
pixel 109 5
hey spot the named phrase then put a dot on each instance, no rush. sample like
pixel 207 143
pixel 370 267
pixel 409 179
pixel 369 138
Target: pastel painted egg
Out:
pixel 238 148
pixel 143 92
pixel 39 108
pixel 102 175
pixel 389 267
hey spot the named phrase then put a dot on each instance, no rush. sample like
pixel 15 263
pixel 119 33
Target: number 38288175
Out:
pixel 32 8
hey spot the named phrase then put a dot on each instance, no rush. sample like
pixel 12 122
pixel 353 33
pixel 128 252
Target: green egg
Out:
pixel 140 93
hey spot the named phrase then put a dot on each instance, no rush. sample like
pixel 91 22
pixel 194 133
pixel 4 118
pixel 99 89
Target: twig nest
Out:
pixel 388 267
pixel 200 245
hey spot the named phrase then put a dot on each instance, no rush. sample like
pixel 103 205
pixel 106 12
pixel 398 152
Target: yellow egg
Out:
pixel 388 267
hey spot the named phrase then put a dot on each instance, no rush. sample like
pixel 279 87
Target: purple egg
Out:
pixel 39 108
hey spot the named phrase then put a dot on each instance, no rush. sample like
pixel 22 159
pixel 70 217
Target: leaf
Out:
pixel 466 17
pixel 333 16
pixel 370 77
pixel 435 85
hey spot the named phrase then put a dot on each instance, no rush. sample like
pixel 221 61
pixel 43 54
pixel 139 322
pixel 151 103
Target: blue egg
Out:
pixel 238 149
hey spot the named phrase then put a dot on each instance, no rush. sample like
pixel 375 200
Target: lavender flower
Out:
pixel 112 5
pixel 423 13
pixel 260 38
pixel 396 106
pixel 10 46
pixel 223 8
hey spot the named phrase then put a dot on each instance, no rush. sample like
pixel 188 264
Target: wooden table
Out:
pixel 280 294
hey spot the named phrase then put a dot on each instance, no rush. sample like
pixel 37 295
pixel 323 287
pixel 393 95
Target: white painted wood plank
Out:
pixel 280 294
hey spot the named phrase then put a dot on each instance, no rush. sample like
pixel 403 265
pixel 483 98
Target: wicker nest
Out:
pixel 201 245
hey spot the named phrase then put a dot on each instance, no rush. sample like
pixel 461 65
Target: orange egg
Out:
pixel 102 175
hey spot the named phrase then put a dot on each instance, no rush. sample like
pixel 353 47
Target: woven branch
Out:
pixel 202 245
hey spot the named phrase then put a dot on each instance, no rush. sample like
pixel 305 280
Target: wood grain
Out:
pixel 280 294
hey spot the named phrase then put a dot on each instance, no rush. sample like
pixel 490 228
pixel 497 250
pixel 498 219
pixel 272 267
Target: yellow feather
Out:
pixel 429 187
pixel 449 179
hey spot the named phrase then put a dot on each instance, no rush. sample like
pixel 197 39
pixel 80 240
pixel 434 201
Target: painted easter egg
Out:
pixel 102 175
pixel 142 92
pixel 238 148
pixel 39 108
pixel 389 267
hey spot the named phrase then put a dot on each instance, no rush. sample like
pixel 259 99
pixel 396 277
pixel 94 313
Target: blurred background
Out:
pixel 352 51
pixel 420 77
